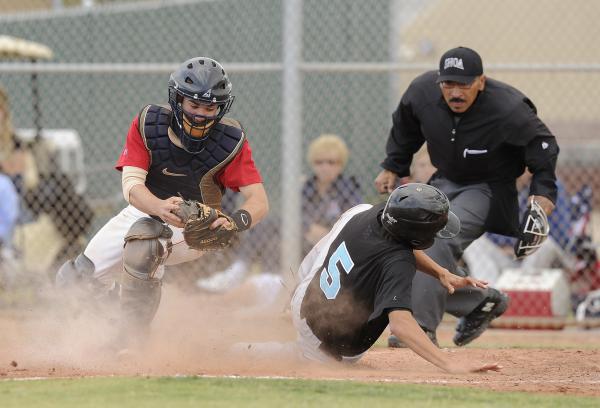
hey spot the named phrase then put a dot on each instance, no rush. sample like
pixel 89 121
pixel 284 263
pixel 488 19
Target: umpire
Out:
pixel 481 134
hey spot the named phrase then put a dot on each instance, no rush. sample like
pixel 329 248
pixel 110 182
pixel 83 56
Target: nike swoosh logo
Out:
pixel 245 220
pixel 473 151
pixel 168 173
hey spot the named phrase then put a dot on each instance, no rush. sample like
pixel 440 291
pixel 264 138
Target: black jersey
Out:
pixel 492 143
pixel 362 278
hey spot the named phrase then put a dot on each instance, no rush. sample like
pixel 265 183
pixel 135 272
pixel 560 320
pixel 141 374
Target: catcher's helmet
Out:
pixel 533 231
pixel 416 213
pixel 202 80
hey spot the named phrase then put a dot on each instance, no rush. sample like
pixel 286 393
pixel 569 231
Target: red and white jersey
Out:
pixel 240 172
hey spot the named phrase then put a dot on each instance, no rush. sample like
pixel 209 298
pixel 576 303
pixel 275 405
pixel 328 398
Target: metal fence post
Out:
pixel 291 150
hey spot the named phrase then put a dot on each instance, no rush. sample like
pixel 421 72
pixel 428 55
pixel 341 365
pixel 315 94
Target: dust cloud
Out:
pixel 192 333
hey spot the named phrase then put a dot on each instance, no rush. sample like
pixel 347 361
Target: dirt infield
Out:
pixel 192 335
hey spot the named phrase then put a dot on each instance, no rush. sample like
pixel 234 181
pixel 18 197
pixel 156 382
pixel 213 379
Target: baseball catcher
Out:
pixel 190 149
pixel 203 229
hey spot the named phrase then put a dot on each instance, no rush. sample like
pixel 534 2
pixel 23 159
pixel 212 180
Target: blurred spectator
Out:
pixel 585 273
pixel 44 189
pixel 17 161
pixel 69 211
pixel 9 213
pixel 328 192
pixel 421 168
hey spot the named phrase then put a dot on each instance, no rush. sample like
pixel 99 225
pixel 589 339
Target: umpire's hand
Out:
pixel 545 203
pixel 386 181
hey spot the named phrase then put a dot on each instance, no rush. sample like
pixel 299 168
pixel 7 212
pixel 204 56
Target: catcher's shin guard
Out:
pixel 74 272
pixel 139 302
pixel 140 287
pixel 474 324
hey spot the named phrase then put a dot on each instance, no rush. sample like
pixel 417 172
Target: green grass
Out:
pixel 225 392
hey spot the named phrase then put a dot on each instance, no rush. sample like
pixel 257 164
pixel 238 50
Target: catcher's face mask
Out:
pixel 199 117
pixel 203 81
pixel 534 231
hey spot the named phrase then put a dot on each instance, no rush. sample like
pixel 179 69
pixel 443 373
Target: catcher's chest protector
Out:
pixel 173 171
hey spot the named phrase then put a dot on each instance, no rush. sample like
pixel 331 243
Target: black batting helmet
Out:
pixel 204 81
pixel 416 213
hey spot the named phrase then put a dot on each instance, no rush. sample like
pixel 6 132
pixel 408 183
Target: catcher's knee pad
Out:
pixel 143 251
pixel 74 271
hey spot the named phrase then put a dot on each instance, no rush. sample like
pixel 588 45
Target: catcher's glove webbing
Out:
pixel 198 218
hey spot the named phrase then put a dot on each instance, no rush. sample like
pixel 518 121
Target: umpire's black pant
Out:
pixel 471 203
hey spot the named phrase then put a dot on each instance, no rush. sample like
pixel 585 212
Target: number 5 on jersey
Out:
pixel 330 276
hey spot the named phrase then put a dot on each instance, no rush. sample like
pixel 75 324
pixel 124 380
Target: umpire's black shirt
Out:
pixel 491 142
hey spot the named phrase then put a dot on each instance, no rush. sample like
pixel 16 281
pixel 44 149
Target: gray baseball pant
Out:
pixel 430 299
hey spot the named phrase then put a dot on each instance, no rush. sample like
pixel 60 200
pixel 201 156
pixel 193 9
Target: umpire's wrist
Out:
pixel 242 219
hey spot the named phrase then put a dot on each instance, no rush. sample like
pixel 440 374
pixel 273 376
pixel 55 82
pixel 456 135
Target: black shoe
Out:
pixel 394 342
pixel 474 324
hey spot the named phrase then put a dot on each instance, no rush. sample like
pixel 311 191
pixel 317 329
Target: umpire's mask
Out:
pixel 534 231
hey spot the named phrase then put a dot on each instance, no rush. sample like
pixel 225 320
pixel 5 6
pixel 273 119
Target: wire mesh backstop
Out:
pixel 299 69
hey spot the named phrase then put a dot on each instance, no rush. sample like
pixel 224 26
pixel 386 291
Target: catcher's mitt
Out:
pixel 198 218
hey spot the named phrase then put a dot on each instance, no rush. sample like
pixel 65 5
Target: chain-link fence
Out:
pixel 353 60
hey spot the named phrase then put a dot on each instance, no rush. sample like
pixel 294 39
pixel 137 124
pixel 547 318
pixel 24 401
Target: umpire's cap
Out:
pixel 460 64
pixel 416 213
